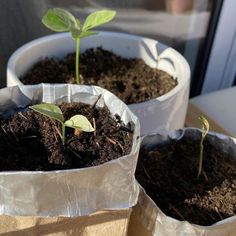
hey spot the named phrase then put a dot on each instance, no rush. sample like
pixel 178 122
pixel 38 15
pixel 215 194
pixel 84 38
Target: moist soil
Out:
pixel 169 176
pixel 129 79
pixel 30 141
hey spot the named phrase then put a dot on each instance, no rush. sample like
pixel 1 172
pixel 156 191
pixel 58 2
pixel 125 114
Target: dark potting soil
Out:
pixel 169 176
pixel 130 79
pixel 31 141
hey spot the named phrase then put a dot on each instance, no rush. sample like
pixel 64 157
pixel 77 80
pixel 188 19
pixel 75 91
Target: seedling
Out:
pixel 77 122
pixel 205 129
pixel 60 20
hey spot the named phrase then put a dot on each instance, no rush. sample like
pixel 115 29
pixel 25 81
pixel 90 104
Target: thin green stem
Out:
pixel 77 61
pixel 200 158
pixel 63 133
pixel 205 129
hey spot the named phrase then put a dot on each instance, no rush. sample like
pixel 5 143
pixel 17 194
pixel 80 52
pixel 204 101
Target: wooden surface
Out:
pixel 192 120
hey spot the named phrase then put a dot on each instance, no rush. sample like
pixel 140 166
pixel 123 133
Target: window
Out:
pixel 186 25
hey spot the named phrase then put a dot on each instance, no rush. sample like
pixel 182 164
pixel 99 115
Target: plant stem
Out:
pixel 63 129
pixel 77 61
pixel 200 158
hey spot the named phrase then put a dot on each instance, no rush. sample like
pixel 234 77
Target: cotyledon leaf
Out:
pixel 60 20
pixel 80 122
pixel 98 18
pixel 49 110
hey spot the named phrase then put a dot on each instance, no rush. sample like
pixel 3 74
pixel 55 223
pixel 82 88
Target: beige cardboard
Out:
pixel 136 226
pixel 102 223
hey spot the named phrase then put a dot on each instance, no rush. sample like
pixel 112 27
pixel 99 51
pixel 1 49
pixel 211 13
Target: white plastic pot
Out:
pixel 75 192
pixel 147 219
pixel 164 113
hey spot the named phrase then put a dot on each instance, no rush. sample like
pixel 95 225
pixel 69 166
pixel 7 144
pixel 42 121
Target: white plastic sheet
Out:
pixel 74 192
pixel 147 217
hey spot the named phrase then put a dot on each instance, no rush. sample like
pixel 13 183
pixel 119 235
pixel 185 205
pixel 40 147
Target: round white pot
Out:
pixel 164 113
pixel 75 192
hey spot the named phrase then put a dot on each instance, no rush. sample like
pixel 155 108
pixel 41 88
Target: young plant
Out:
pixel 205 129
pixel 60 20
pixel 78 122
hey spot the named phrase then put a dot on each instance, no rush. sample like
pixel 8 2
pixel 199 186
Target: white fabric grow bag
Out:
pixel 75 192
pixel 148 220
pixel 164 113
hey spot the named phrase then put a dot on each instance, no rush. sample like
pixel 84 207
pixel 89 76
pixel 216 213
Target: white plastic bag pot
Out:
pixel 164 113
pixel 75 192
pixel 147 219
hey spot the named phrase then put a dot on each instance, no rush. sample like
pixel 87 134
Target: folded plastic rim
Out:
pixel 75 192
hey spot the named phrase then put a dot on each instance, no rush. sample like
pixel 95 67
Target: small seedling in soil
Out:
pixel 60 20
pixel 205 129
pixel 77 122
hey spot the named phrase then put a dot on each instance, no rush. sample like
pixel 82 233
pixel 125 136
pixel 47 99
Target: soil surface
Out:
pixel 169 176
pixel 31 141
pixel 130 79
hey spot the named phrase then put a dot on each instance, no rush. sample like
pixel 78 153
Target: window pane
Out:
pixel 181 24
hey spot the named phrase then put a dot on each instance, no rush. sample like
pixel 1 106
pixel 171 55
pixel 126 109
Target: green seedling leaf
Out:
pixel 52 111
pixel 98 18
pixel 79 122
pixel 84 34
pixel 205 126
pixel 75 33
pixel 78 23
pixel 60 20
pixel 49 110
pixel 205 130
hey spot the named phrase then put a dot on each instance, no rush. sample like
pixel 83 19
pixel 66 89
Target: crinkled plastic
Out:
pixel 75 192
pixel 148 220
